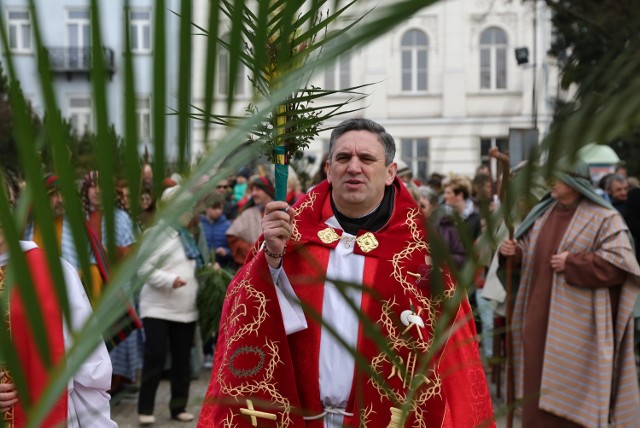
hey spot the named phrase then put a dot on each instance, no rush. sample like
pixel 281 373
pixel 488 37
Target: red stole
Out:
pixel 396 278
pixel 33 367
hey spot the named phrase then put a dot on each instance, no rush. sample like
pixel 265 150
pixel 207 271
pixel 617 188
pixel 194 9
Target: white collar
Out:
pixel 25 245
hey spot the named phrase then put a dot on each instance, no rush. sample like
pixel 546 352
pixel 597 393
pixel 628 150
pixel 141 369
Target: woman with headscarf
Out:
pixel 125 357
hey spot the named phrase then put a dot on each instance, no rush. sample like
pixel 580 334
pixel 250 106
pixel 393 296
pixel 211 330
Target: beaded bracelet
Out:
pixel 275 256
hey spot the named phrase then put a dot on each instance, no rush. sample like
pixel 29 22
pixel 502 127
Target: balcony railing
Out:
pixel 77 60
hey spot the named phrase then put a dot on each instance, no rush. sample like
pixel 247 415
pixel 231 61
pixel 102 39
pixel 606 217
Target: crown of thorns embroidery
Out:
pixel 242 351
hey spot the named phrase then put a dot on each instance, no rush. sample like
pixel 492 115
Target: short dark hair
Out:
pixel 214 201
pixel 385 138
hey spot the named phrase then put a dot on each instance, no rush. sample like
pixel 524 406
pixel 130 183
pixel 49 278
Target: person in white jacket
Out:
pixel 169 314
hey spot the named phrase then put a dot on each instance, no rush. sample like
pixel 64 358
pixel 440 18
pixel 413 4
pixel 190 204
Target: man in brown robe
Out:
pixel 572 323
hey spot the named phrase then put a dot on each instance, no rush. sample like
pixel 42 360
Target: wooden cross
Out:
pixel 255 414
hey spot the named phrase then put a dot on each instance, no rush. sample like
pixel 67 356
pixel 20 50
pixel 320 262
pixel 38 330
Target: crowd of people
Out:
pixel 292 323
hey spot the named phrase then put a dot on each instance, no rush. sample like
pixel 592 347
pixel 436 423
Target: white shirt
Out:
pixel 336 362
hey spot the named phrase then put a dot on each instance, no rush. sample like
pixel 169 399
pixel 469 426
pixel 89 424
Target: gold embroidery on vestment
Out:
pixel 367 242
pixel 328 235
pixel 8 415
pixel 262 380
pixel 255 414
pixel 419 384
pixel 308 203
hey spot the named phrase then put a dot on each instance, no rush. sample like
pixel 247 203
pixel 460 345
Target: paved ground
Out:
pixel 125 412
pixel 124 408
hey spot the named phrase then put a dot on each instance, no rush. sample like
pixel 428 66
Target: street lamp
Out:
pixel 522 55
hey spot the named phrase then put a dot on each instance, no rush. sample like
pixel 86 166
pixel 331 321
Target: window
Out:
pixel 80 114
pixel 415 153
pixel 242 81
pixel 78 38
pixel 414 47
pixel 140 21
pixel 19 28
pixel 339 75
pixel 493 59
pixel 143 118
pixel 502 143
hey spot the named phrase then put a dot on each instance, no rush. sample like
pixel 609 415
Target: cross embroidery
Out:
pixel 255 414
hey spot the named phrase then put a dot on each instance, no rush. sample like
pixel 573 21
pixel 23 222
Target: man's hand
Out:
pixel 508 247
pixel 8 395
pixel 276 227
pixel 179 282
pixel 558 261
pixel 221 251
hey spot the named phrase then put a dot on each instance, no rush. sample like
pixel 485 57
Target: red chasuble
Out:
pixel 262 377
pixel 32 363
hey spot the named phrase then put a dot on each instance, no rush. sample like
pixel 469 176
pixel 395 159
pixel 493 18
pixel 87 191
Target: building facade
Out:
pixel 449 88
pixel 66 34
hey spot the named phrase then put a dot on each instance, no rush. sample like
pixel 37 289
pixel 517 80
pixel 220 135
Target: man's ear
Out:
pixel 391 173
pixel 327 166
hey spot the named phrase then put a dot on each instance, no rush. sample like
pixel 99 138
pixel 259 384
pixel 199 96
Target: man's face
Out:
pixel 563 193
pixel 94 196
pixel 260 197
pixel 57 206
pixel 452 199
pixel 619 190
pixel 222 187
pixel 448 196
pixel 357 172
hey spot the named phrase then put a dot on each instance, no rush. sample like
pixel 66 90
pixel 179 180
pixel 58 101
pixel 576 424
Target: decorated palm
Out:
pixel 281 46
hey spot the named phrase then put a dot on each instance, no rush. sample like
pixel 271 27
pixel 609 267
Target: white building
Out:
pixel 66 34
pixel 450 84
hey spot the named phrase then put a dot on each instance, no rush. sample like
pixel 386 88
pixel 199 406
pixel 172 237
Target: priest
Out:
pixel 333 321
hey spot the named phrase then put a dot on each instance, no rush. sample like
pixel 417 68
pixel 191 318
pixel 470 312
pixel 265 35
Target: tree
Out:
pixel 81 147
pixel 591 37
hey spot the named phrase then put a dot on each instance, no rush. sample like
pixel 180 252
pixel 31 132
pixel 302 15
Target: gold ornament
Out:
pixel 328 235
pixel 397 419
pixel 367 242
pixel 255 414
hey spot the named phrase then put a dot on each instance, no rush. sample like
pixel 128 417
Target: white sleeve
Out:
pixel 87 389
pixel 493 289
pixel 292 314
